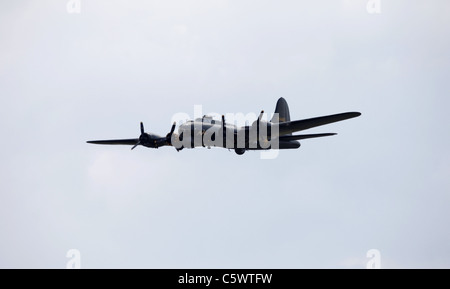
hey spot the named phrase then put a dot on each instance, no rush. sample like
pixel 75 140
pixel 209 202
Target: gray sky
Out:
pixel 381 183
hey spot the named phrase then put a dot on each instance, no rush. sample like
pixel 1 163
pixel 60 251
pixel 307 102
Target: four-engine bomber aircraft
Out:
pixel 261 135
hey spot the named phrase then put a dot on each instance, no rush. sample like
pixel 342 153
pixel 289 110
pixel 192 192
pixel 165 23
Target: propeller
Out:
pixel 143 138
pixel 169 135
pixel 138 143
pixel 178 137
pixel 261 115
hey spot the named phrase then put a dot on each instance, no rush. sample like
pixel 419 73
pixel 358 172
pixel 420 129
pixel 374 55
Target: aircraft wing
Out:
pixel 298 125
pixel 131 141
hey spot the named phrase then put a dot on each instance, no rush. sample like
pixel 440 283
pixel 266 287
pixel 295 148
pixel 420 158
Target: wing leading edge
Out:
pixel 131 141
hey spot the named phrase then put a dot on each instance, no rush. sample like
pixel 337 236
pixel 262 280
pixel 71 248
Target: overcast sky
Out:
pixel 382 183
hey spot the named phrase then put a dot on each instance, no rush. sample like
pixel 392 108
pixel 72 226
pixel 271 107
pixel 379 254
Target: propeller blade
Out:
pixel 261 115
pixel 173 127
pixel 142 128
pixel 168 139
pixel 138 143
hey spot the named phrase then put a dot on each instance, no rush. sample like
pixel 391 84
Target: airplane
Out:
pixel 261 135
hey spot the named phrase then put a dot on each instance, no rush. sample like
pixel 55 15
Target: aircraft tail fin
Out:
pixel 282 109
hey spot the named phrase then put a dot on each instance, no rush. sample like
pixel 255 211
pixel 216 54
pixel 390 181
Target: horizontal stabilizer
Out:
pixel 303 136
pixel 298 125
pixel 132 141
